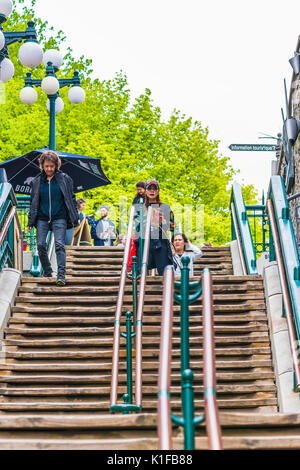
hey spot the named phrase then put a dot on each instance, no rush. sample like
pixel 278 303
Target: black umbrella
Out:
pixel 86 172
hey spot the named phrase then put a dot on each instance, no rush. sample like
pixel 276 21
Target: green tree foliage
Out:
pixel 130 136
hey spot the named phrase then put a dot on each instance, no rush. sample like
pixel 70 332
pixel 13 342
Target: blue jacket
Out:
pixel 97 228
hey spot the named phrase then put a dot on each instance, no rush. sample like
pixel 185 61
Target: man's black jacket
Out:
pixel 65 184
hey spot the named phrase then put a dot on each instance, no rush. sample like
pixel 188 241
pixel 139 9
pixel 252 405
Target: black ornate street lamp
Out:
pixel 30 53
pixel 51 86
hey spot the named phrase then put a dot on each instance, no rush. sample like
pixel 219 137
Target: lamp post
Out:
pixel 51 86
pixel 30 53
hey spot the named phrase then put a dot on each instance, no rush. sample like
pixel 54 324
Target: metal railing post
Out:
pixel 188 409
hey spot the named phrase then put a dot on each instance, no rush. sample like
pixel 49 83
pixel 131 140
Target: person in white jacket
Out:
pixel 183 247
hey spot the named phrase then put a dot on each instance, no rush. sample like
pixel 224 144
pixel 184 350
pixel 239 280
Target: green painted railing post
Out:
pixel 134 289
pixel 31 246
pixel 233 234
pixel 10 239
pixel 184 315
pixel 188 409
pixel 127 397
pixel 271 247
pixel 52 140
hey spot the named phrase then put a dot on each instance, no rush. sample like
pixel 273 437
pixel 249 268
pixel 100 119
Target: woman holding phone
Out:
pixel 160 253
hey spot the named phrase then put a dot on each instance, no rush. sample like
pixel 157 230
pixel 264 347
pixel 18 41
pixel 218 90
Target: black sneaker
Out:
pixel 47 274
pixel 60 281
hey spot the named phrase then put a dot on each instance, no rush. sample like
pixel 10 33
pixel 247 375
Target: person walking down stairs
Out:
pixel 52 208
pixel 162 222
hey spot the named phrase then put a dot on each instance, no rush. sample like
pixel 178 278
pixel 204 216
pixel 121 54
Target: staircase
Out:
pixel 56 367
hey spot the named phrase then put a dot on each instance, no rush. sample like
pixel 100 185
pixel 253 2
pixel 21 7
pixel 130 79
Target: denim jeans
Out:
pixel 58 227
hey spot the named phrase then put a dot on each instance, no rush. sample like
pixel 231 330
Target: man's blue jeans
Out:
pixel 58 227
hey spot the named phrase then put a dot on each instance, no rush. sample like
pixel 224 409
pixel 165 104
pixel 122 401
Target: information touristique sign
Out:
pixel 252 147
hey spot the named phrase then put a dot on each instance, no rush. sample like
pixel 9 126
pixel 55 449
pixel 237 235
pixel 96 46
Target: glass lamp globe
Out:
pixel 2 40
pixel 76 94
pixel 50 85
pixel 54 56
pixel 6 7
pixel 59 105
pixel 31 54
pixel 7 70
pixel 28 95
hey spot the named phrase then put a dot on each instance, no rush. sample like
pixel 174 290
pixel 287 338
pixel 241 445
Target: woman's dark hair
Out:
pixel 79 202
pixel 140 184
pixel 181 235
pixel 52 157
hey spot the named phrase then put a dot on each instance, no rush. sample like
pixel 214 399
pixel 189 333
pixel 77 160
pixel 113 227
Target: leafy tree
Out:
pixel 132 140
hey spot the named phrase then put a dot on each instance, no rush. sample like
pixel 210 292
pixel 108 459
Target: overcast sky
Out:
pixel 220 62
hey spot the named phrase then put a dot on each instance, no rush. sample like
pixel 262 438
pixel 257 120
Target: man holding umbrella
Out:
pixel 52 208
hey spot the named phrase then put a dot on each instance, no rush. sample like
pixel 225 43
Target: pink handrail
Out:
pixel 164 411
pixel 211 409
pixel 140 310
pixel 116 343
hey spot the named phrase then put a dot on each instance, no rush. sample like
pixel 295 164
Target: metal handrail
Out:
pixel 116 343
pixel 236 228
pixel 140 310
pixel 18 237
pixel 211 409
pixel 164 411
pixel 285 294
pixel 242 227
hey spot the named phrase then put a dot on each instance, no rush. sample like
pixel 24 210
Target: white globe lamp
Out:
pixel 28 95
pixel 54 56
pixel 50 85
pixel 76 94
pixel 2 40
pixel 31 54
pixel 6 7
pixel 59 105
pixel 7 70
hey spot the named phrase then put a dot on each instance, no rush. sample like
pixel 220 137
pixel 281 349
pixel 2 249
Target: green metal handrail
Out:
pixel 257 212
pixel 288 246
pixel 240 229
pixel 23 206
pixel 10 230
